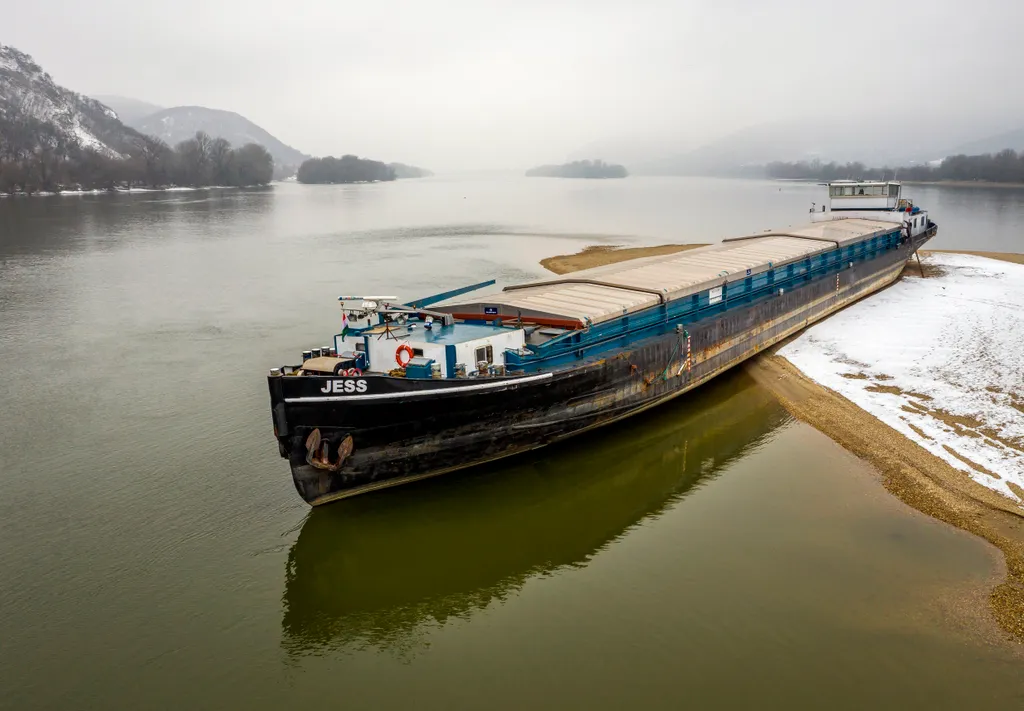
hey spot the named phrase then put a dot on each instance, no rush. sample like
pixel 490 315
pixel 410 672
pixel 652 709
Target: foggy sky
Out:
pixel 479 84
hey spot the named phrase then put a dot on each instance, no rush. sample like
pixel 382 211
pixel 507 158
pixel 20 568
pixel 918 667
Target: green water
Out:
pixel 709 554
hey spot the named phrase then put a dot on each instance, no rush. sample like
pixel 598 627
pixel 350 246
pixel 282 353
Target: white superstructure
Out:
pixel 880 200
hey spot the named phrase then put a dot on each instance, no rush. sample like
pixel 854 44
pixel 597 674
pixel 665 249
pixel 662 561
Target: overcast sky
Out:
pixel 480 84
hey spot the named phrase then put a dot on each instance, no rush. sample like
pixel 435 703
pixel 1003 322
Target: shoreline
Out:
pixel 908 471
pixel 1011 257
pixel 937 183
pixel 964 184
pixel 129 191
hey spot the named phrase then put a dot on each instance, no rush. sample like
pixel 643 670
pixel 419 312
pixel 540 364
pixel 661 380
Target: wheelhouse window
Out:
pixel 862 190
pixel 485 354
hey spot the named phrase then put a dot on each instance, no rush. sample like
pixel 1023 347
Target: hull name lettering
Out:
pixel 344 386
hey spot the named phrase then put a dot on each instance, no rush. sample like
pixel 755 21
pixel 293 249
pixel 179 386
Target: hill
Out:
pixel 182 122
pixel 53 139
pixel 35 110
pixel 128 110
pixel 797 140
pixel 579 169
pixel 902 140
pixel 1013 140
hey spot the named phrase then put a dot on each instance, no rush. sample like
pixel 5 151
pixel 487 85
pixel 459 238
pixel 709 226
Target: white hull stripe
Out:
pixel 421 393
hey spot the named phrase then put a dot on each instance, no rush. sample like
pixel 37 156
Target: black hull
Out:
pixel 411 429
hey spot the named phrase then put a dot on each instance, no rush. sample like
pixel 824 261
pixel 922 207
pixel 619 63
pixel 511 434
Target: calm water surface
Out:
pixel 712 553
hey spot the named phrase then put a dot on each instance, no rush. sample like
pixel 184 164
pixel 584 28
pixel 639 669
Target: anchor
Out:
pixel 318 451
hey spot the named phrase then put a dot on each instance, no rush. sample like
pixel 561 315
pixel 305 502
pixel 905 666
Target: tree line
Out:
pixel 579 169
pixel 347 169
pixel 1006 166
pixel 36 157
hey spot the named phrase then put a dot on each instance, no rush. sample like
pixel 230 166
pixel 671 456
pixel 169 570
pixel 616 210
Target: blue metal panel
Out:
pixel 449 361
pixel 595 339
pixel 419 368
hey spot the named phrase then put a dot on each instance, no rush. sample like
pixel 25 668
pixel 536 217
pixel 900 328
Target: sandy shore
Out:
pixel 598 255
pixel 1002 256
pixel 911 473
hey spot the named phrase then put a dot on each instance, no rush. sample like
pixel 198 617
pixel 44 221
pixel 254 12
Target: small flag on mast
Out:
pixel 344 324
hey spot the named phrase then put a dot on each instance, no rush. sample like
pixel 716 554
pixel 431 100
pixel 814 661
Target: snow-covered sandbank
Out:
pixel 939 359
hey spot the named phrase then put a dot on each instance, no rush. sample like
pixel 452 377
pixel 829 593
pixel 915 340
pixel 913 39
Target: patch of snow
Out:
pixel 38 96
pixel 87 140
pixel 940 360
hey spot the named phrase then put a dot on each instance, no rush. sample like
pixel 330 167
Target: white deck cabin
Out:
pixel 870 200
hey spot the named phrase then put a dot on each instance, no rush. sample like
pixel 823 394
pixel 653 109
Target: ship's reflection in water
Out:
pixel 371 570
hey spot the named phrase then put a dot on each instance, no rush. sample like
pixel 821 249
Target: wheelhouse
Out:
pixel 863 195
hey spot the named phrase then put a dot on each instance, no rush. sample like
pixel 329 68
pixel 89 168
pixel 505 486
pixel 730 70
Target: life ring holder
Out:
pixel 347 372
pixel 404 348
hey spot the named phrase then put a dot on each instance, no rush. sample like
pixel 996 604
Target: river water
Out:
pixel 710 553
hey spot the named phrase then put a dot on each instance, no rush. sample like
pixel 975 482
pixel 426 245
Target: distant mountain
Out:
pixel 182 122
pixel 579 169
pixel 901 140
pixel 798 140
pixel 992 144
pixel 128 110
pixel 409 171
pixel 31 101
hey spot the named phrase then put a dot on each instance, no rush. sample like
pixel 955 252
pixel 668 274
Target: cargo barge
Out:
pixel 414 389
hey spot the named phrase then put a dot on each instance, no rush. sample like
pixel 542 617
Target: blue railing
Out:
pixel 663 318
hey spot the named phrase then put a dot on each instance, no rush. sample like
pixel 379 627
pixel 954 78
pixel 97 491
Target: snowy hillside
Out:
pixel 27 91
pixel 181 123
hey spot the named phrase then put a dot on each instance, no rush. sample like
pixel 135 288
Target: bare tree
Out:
pixel 222 163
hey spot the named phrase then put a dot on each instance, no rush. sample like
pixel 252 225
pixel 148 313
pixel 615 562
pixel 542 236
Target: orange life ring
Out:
pixel 404 348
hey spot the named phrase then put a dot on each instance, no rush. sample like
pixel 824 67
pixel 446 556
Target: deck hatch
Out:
pixel 606 292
